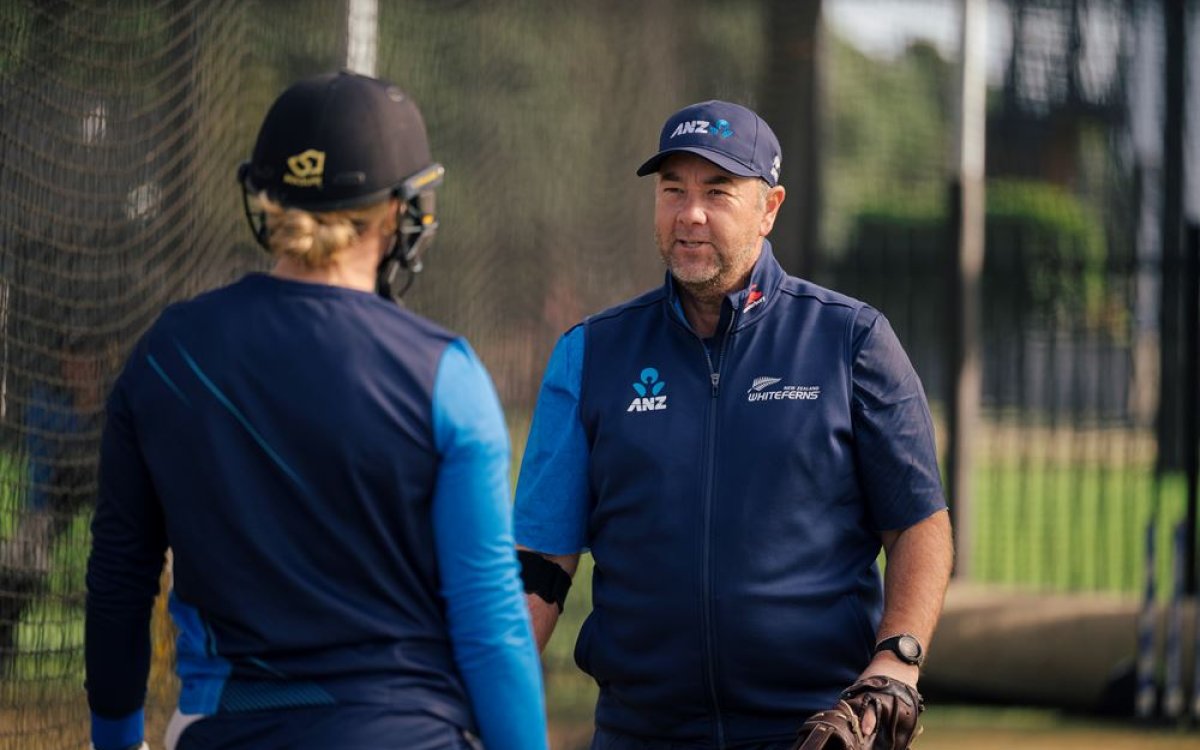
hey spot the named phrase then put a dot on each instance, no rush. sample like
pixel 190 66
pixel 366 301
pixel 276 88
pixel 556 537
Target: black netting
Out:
pixel 122 123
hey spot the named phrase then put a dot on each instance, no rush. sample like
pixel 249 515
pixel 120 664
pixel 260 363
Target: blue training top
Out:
pixel 331 474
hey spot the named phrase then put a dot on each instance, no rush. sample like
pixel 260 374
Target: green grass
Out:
pixel 51 641
pixel 12 491
pixel 949 727
pixel 49 637
pixel 1072 528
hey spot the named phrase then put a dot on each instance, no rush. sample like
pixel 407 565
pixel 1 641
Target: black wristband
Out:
pixel 545 578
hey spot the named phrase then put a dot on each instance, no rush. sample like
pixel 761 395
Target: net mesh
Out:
pixel 122 123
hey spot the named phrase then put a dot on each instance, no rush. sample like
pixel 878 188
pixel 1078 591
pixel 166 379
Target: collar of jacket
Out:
pixel 751 302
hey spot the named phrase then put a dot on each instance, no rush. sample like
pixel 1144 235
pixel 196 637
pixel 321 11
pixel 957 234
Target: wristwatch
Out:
pixel 905 646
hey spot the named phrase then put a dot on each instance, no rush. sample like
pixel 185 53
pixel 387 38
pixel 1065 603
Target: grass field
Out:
pixel 1073 528
pixel 975 728
pixel 946 728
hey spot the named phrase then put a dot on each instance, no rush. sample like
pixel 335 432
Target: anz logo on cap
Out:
pixel 306 168
pixel 720 127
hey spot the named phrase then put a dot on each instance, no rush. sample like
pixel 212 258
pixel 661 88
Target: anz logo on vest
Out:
pixel 649 392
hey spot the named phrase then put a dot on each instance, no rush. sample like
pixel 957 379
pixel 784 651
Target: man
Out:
pixel 733 448
pixel 329 469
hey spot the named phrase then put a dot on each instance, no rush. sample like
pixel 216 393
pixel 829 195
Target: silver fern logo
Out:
pixel 759 384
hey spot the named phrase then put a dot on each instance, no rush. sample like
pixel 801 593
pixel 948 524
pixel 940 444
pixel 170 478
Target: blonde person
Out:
pixel 328 469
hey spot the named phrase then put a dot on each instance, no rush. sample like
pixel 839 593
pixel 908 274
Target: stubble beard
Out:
pixel 712 279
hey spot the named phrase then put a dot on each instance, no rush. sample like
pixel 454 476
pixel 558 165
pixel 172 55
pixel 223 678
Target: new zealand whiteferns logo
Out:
pixel 306 168
pixel 649 390
pixel 758 390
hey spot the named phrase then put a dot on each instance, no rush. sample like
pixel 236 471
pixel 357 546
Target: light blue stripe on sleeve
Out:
pixel 485 606
pixel 167 379
pixel 552 491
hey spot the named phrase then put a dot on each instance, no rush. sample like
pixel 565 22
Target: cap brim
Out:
pixel 721 160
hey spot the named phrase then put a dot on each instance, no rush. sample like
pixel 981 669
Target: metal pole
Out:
pixel 968 215
pixel 1191 400
pixel 362 35
pixel 1170 448
pixel 793 59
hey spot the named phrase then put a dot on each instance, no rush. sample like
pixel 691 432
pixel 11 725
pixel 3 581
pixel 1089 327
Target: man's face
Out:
pixel 709 224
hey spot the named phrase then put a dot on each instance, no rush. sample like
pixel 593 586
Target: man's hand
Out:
pixel 875 713
pixel 886 665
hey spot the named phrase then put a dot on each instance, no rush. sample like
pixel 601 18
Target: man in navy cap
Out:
pixel 734 448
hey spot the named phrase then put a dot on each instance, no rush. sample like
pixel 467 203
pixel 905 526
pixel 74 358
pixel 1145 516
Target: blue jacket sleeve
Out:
pixel 488 620
pixel 553 498
pixel 893 431
pixel 127 554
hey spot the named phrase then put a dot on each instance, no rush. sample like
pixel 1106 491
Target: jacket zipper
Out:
pixel 710 647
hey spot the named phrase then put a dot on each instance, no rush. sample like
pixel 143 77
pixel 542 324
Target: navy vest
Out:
pixel 735 584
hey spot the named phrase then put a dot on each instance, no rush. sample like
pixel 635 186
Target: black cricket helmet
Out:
pixel 340 141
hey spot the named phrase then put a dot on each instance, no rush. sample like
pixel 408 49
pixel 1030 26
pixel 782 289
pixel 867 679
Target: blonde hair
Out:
pixel 315 238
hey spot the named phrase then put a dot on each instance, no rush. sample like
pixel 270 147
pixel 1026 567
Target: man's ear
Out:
pixel 774 200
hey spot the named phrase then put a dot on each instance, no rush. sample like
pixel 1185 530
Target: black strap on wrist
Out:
pixel 545 578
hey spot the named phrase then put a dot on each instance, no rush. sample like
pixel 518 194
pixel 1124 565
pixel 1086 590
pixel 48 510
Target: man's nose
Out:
pixel 692 212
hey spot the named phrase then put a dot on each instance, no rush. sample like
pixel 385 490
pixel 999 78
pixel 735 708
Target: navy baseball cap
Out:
pixel 338 141
pixel 729 135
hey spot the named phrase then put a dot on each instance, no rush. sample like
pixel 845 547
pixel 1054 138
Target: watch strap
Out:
pixel 892 644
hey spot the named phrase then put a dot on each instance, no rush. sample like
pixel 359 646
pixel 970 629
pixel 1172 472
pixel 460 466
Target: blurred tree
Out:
pixel 886 132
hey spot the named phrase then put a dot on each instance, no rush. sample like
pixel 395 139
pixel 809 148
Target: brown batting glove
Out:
pixel 895 705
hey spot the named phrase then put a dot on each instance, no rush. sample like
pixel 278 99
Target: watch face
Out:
pixel 909 647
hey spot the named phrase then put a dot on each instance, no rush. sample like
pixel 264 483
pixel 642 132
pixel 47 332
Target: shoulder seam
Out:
pixel 651 298
pixel 855 304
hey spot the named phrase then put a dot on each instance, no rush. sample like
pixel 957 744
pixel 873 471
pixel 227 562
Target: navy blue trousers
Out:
pixel 606 740
pixel 325 728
